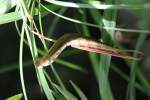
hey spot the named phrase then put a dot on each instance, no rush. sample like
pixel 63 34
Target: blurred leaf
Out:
pixel 45 86
pixel 70 65
pixel 109 20
pixel 103 82
pixel 9 17
pixel 6 5
pixel 58 96
pixel 15 97
pixel 79 91
pixel 21 62
pixel 95 25
pixel 65 93
pixel 14 16
pixel 57 77
pixel 98 5
pixel 11 67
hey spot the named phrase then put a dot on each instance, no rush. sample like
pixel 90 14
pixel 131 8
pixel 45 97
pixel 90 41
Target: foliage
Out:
pixel 104 22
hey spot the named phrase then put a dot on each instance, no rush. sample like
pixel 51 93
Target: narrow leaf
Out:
pixel 15 97
pixel 79 91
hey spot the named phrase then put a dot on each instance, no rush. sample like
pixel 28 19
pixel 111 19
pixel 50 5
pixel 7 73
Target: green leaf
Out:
pixel 57 77
pixel 15 97
pixel 9 17
pixel 21 62
pixel 11 67
pixel 65 93
pixel 98 5
pixel 109 20
pixel 103 82
pixel 14 16
pixel 6 5
pixel 70 65
pixel 79 91
pixel 94 25
pixel 58 96
pixel 47 90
